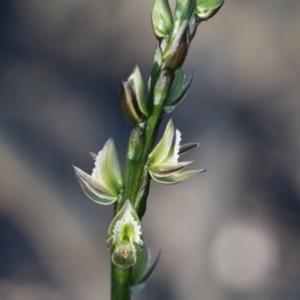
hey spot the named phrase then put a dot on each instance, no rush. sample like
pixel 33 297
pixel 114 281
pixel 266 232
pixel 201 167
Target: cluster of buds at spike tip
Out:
pixel 162 20
pixel 163 165
pixel 205 9
pixel 125 233
pixel 177 92
pixel 133 98
pixel 105 185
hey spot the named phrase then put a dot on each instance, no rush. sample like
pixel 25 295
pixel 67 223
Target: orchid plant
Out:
pixel 107 185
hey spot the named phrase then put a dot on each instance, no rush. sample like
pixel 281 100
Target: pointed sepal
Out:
pixel 187 147
pixel 178 177
pixel 93 189
pixel 168 169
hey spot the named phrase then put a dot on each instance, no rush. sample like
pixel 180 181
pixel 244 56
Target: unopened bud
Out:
pixel 162 20
pixel 176 51
pixel 133 99
pixel 205 9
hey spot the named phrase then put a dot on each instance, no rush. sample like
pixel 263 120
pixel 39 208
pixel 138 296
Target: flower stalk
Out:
pixel 130 257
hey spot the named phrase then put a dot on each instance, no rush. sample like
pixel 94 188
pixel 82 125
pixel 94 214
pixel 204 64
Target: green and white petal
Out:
pixel 108 168
pixel 176 178
pixel 168 169
pixel 162 149
pixel 124 232
pixel 127 229
pixel 93 189
pixel 126 222
pixel 174 151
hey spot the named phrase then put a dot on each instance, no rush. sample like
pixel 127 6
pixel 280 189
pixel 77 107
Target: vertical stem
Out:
pixel 143 138
pixel 137 181
pixel 140 144
pixel 120 288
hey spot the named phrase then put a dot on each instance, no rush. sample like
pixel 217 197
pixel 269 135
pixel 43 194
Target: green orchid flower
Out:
pixel 163 162
pixel 125 232
pixel 105 185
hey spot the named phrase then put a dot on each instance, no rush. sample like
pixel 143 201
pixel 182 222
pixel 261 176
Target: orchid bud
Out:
pixel 177 49
pixel 133 99
pixel 205 9
pixel 162 20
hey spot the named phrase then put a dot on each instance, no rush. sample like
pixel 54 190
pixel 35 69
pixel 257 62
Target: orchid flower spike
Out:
pixel 105 185
pixel 125 232
pixel 163 160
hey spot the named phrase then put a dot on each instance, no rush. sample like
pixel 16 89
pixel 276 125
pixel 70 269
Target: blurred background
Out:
pixel 230 233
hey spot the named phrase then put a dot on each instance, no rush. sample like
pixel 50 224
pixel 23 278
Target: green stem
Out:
pixel 137 177
pixel 120 288
pixel 141 143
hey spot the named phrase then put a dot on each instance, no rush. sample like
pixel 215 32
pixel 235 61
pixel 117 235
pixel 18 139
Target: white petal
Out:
pixel 126 214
